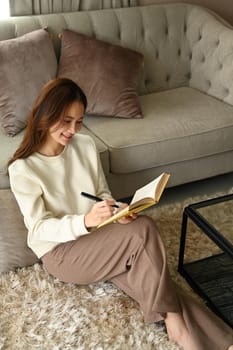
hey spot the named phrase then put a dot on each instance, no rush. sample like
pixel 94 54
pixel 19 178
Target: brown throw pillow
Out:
pixel 26 64
pixel 14 251
pixel 108 74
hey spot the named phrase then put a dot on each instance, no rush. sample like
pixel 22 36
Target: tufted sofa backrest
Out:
pixel 182 44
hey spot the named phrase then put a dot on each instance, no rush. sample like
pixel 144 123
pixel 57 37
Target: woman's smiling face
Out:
pixel 63 131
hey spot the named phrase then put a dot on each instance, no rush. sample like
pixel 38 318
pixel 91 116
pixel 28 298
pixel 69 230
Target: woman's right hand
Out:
pixel 100 212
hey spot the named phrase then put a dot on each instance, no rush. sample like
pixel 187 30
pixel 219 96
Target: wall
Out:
pixel 224 7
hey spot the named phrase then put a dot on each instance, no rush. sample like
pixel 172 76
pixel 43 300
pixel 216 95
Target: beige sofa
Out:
pixel 186 94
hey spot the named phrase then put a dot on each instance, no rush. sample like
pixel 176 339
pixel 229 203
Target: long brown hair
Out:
pixel 49 106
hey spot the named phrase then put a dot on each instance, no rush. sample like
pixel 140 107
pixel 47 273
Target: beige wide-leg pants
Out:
pixel 133 257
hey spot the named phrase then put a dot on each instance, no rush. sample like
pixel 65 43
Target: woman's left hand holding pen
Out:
pixel 100 212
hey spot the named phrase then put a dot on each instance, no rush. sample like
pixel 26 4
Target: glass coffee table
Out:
pixel 206 253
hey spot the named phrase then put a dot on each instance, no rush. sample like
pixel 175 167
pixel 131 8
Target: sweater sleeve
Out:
pixel 41 223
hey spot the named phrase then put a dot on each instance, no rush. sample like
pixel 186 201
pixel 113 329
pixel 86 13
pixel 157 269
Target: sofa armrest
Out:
pixel 211 55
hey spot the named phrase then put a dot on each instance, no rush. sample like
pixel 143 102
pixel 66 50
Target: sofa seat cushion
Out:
pixel 10 147
pixel 178 125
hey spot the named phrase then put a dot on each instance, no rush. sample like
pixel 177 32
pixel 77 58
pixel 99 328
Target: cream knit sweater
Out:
pixel 47 190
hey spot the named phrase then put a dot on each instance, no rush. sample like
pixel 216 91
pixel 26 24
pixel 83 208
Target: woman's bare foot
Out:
pixel 231 347
pixel 178 332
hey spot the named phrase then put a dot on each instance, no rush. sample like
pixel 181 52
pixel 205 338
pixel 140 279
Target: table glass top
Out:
pixel 219 215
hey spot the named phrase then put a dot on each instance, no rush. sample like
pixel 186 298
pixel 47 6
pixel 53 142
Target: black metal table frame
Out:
pixel 212 233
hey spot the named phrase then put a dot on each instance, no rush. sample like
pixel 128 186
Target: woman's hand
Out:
pixel 126 219
pixel 100 212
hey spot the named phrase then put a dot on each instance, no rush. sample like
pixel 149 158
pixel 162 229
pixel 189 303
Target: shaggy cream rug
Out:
pixel 38 311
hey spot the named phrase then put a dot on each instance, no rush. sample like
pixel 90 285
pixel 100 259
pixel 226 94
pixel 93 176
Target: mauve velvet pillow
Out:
pixel 26 64
pixel 14 251
pixel 108 74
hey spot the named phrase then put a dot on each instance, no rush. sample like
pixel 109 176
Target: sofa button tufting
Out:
pixel 179 52
pixel 220 66
pixel 190 55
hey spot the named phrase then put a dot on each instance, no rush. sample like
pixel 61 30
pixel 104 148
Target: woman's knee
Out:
pixel 146 220
pixel 146 227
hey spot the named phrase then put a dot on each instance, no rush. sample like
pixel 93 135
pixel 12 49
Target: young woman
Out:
pixel 47 173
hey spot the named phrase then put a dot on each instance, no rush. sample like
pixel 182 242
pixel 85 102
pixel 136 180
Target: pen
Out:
pixel 94 198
